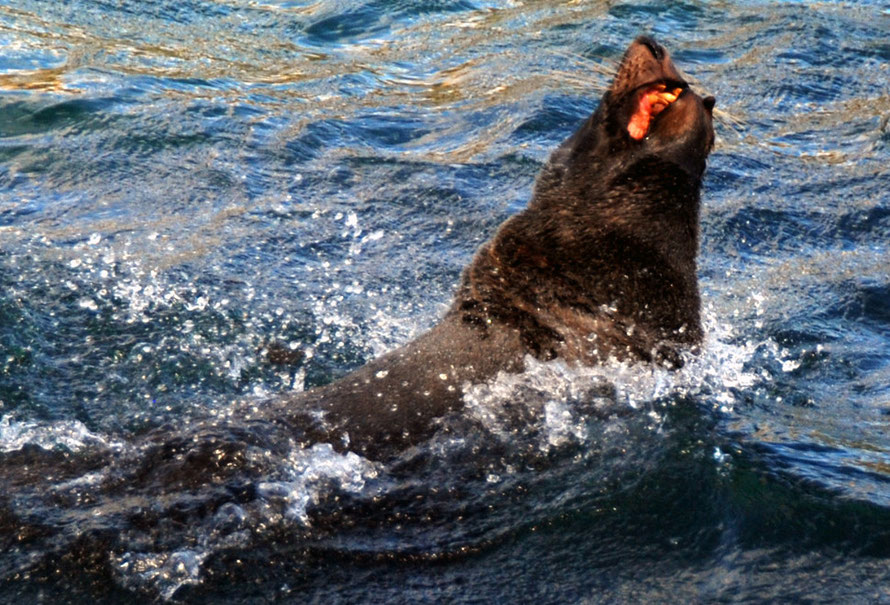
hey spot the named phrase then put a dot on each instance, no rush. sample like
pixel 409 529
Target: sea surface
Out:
pixel 208 203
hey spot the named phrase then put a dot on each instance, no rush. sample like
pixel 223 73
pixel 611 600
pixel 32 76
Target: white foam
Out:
pixel 167 572
pixel 309 472
pixel 561 399
pixel 299 480
pixel 71 435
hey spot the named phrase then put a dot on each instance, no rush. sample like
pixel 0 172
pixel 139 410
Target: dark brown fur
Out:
pixel 601 264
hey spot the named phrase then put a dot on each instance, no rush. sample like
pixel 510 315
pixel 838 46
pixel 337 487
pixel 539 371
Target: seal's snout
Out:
pixel 645 62
pixel 654 47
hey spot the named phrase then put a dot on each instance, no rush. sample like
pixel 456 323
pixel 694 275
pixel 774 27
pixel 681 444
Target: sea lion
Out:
pixel 601 264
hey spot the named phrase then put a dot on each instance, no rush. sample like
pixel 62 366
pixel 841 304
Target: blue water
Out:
pixel 184 185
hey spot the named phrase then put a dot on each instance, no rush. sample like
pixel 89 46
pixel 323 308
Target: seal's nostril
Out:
pixel 653 46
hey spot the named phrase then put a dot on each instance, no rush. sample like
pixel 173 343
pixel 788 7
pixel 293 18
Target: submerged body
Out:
pixel 600 265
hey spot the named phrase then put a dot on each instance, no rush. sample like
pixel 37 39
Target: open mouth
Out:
pixel 651 101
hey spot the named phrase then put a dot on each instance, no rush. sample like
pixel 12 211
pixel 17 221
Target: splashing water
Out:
pixel 313 470
pixel 68 435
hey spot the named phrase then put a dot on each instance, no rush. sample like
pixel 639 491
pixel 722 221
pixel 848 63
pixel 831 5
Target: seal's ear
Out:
pixel 709 103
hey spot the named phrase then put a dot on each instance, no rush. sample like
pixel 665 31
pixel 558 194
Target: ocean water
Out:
pixel 187 185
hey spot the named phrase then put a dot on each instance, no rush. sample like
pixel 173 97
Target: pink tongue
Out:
pixel 638 126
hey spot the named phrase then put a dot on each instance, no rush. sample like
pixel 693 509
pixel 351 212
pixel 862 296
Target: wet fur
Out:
pixel 600 265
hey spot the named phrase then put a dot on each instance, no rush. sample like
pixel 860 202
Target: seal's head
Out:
pixel 648 111
pixel 656 110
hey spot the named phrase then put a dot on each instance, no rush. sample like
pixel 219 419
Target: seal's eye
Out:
pixel 650 103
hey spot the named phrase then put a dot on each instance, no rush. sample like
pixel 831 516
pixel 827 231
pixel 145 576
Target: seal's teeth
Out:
pixel 665 96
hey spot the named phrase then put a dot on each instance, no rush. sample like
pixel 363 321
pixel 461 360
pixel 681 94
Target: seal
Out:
pixel 600 265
